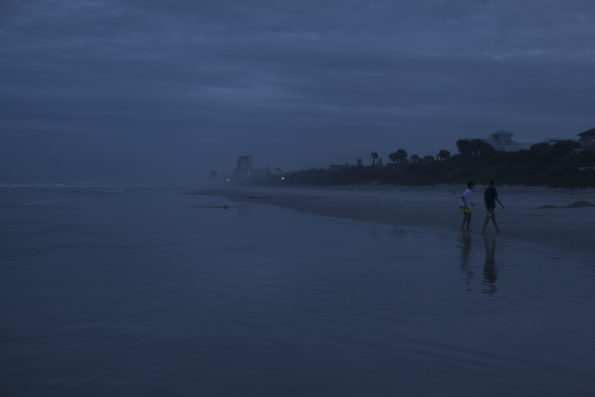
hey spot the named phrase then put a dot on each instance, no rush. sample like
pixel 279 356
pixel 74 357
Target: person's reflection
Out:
pixel 490 273
pixel 465 267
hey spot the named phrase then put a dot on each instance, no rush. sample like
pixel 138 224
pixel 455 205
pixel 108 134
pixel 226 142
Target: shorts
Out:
pixel 490 211
pixel 465 210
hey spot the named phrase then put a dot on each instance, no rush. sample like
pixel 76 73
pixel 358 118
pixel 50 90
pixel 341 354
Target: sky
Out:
pixel 146 91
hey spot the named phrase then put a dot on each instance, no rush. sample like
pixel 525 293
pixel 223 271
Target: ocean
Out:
pixel 155 292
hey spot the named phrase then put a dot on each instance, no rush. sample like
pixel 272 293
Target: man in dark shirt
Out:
pixel 490 197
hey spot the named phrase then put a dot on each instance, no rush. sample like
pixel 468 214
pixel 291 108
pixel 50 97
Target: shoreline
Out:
pixel 532 214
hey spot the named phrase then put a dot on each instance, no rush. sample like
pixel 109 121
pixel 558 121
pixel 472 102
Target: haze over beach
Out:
pixel 275 198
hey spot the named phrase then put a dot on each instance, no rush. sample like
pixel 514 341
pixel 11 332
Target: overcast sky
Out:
pixel 149 91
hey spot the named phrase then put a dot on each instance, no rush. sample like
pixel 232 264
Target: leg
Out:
pixel 469 222
pixel 485 225
pixel 495 224
pixel 464 220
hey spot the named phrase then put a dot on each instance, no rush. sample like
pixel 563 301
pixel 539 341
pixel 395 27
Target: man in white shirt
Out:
pixel 465 205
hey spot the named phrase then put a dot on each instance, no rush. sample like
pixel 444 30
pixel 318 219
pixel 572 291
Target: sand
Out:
pixel 545 216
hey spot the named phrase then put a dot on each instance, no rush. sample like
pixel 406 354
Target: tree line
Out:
pixel 562 164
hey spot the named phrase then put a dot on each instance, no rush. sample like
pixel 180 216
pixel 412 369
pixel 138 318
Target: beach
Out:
pixel 553 217
pixel 155 292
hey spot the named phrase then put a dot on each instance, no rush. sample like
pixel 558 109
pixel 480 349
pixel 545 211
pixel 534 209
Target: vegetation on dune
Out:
pixel 562 164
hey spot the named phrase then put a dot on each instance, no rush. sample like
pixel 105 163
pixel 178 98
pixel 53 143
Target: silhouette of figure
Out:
pixel 490 272
pixel 490 197
pixel 465 204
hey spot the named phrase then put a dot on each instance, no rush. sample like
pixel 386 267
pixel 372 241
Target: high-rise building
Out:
pixel 244 166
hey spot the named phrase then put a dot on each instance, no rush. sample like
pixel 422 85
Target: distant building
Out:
pixel 587 138
pixel 553 141
pixel 502 141
pixel 244 166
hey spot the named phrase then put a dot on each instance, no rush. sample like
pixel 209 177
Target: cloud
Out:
pixel 264 72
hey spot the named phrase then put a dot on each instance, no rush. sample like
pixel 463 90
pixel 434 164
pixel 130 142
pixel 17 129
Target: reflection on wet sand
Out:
pixel 245 209
pixel 490 271
pixel 465 266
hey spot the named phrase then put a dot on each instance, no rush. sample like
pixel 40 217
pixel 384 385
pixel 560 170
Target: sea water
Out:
pixel 153 292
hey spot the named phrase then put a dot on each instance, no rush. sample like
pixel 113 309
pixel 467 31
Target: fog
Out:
pixel 163 92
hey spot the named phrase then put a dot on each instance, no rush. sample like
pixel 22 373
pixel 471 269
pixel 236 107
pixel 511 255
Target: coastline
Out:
pixel 532 214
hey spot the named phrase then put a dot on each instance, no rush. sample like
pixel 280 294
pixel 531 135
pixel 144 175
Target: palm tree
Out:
pixel 401 155
pixel 443 155
pixel 374 158
pixel 465 148
pixel 398 156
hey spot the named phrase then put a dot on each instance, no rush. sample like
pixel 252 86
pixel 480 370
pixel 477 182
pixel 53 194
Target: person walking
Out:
pixel 465 205
pixel 490 197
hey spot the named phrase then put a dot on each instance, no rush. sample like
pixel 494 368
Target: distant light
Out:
pixel 228 180
pixel 282 178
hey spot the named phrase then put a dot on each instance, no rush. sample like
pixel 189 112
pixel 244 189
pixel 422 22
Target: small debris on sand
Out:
pixel 581 204
pixel 576 204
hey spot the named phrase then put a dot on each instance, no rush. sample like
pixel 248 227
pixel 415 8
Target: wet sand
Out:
pixel 148 292
pixel 544 216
